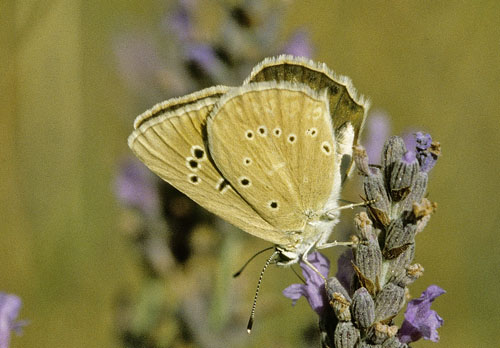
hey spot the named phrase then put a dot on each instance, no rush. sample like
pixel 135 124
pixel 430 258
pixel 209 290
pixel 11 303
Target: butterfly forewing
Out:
pixel 172 145
pixel 274 142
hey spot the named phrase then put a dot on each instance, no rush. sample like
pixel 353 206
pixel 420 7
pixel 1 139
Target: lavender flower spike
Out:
pixel 9 309
pixel 420 321
pixel 314 288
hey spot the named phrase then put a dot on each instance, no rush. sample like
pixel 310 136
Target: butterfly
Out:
pixel 268 156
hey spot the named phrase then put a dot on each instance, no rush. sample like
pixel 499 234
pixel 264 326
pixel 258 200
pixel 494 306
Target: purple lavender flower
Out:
pixel 420 321
pixel 9 310
pixel 426 153
pixel 424 141
pixel 299 45
pixel 425 156
pixel 135 186
pixel 314 288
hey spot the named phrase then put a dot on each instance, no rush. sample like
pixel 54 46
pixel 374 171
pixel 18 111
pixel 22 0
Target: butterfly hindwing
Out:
pixel 275 144
pixel 172 144
pixel 345 103
pixel 347 108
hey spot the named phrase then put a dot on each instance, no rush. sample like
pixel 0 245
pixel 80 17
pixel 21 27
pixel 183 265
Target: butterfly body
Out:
pixel 267 156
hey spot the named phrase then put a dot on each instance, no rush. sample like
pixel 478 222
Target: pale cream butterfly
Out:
pixel 268 156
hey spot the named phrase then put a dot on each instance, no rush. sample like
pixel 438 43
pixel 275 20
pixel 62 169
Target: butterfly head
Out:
pixel 286 257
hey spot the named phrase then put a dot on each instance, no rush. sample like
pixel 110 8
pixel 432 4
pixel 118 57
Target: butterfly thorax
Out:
pixel 315 232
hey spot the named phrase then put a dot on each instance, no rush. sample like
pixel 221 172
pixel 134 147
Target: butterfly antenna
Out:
pixel 252 314
pixel 249 260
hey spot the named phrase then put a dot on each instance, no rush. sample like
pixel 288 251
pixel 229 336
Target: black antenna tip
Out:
pixel 237 274
pixel 250 324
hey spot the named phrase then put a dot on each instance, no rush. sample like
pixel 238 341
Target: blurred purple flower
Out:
pixel 9 310
pixel 204 56
pixel 135 186
pixel 377 131
pixel 314 288
pixel 299 45
pixel 179 22
pixel 420 321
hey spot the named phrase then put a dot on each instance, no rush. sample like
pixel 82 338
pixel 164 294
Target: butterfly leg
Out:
pixel 333 244
pixel 311 266
pixel 332 214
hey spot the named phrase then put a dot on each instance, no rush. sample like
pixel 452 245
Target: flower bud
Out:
pixel 389 302
pixel 379 333
pixel 364 226
pixel 340 307
pixel 416 193
pixel 363 308
pixel 403 176
pixel 412 273
pixel 368 345
pixel 398 238
pixel 375 191
pixel 346 335
pixel 394 149
pixel 393 342
pixel 361 159
pixel 368 260
pixel 422 212
pixel 333 286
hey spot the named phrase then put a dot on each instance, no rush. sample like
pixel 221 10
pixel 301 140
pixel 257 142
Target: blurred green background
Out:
pixel 66 113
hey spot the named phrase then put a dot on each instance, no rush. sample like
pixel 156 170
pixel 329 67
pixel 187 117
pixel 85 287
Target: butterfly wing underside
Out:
pixel 274 142
pixel 172 145
pixel 346 105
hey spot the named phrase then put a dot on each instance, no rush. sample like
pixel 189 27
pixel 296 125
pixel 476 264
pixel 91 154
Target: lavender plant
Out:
pixel 357 307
